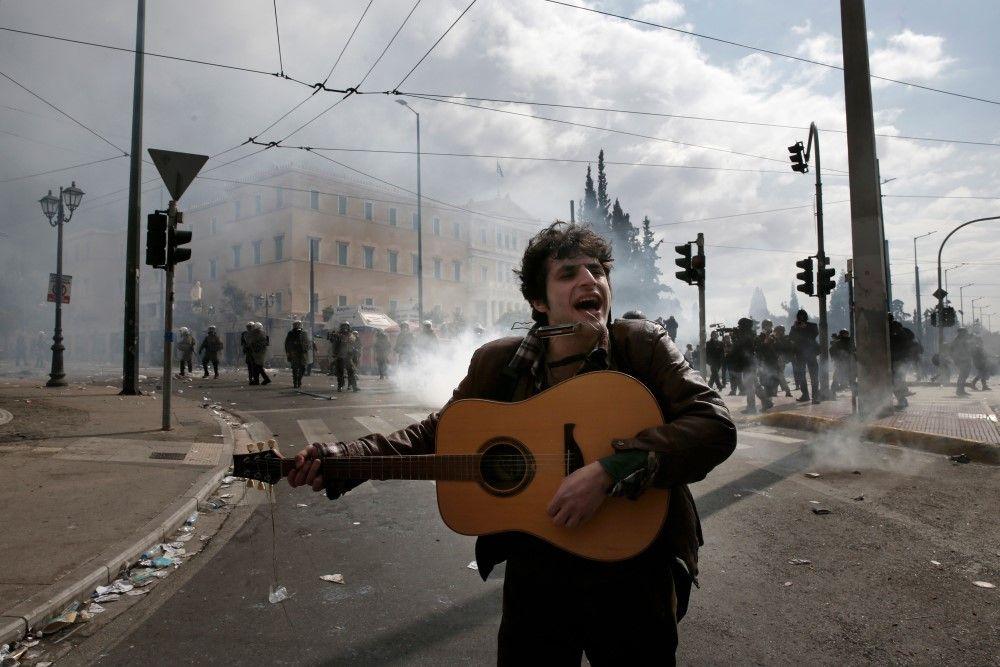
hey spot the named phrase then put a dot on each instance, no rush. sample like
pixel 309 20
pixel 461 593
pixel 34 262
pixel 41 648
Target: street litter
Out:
pixel 152 552
pixel 301 504
pixel 799 561
pixel 960 458
pixel 110 597
pixel 333 578
pixel 820 510
pixel 119 586
pixel 142 576
pixel 228 479
pixel 185 537
pixel 163 561
pixel 185 529
pixel 983 584
pixel 856 472
pixel 812 475
pixel 94 609
pixel 814 502
pixel 357 523
pixel 277 595
pixel 858 498
pixel 934 562
pixel 787 583
pixel 68 617
pixel 226 496
pixel 191 520
pixel 137 591
pixel 473 566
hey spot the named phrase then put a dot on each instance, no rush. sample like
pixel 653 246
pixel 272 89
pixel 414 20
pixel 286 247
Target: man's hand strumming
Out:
pixel 579 496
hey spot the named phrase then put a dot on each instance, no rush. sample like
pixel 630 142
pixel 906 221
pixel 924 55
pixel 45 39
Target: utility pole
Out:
pixel 572 211
pixel 852 374
pixel 700 242
pixel 130 331
pixel 168 319
pixel 874 382
pixel 916 282
pixel 312 292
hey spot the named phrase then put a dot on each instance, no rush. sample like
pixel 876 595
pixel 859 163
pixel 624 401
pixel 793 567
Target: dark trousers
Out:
pixel 964 368
pixel 186 361
pixel 621 613
pixel 257 372
pixel 714 379
pixel 298 370
pixel 383 364
pixel 346 366
pixel 809 364
pixel 215 366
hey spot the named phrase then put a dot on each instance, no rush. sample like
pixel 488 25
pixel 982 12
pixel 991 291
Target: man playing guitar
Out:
pixel 556 605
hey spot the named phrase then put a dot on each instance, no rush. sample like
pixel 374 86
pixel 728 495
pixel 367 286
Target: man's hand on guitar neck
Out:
pixel 308 469
pixel 580 496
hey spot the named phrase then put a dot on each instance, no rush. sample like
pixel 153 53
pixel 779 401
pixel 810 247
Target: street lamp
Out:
pixel 972 302
pixel 961 301
pixel 54 208
pixel 420 243
pixel 950 268
pixel 916 275
pixel 266 300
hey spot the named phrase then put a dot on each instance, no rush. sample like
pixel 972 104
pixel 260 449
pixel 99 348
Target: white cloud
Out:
pixel 660 11
pixel 912 56
pixel 802 29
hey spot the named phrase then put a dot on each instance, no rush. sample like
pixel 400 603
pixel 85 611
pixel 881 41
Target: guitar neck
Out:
pixel 450 467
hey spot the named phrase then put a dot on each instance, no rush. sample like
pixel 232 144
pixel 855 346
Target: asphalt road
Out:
pixel 870 593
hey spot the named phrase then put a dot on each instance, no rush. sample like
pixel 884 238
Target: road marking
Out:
pixel 5 417
pixel 315 430
pixel 416 417
pixel 773 437
pixel 374 424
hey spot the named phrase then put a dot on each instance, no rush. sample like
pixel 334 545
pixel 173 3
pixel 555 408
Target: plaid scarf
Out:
pixel 530 358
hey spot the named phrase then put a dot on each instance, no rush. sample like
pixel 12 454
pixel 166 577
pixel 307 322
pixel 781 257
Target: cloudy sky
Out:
pixel 532 50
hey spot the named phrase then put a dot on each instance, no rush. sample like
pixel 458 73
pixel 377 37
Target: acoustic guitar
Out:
pixel 498 465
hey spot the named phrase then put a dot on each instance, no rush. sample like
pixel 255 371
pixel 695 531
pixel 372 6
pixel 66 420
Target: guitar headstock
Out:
pixel 261 463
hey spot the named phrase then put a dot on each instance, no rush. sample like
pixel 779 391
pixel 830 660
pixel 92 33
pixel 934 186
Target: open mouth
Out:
pixel 589 304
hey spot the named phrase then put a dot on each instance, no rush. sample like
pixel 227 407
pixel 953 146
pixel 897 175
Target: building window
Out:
pixel 277 302
pixel 238 209
pixel 341 253
pixel 369 254
pixel 437 226
pixel 482 235
pixel 456 230
pixel 414 263
pixel 499 238
pixel 190 269
pixel 256 251
pixel 314 200
pixel 393 306
pixel 341 204
pixel 280 198
pixel 236 256
pixel 393 261
pixel 415 221
pixel 484 274
pixel 314 248
pixel 437 269
pixel 213 269
pixel 499 272
pixel 258 205
pixel 369 210
pixel 392 217
pixel 369 301
pixel 456 271
pixel 279 248
pixel 215 225
pixel 342 300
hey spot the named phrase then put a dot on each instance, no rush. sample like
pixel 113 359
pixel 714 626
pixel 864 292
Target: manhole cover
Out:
pixel 170 456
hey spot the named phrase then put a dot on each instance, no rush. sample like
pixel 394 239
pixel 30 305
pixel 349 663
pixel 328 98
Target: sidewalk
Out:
pixel 936 420
pixel 88 481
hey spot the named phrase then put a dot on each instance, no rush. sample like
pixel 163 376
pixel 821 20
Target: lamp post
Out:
pixel 916 281
pixel 950 268
pixel 266 300
pixel 973 303
pixel 420 246
pixel 55 207
pixel 961 301
pixel 942 293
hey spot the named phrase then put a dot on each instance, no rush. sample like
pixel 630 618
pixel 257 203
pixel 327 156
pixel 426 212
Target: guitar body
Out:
pixel 529 447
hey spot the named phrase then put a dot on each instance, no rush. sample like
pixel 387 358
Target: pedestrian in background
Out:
pixel 714 355
pixel 671 326
pixel 381 353
pixel 258 343
pixel 961 356
pixel 980 363
pixel 247 354
pixel 297 345
pixel 804 335
pixel 785 350
pixel 185 349
pixel 404 345
pixel 343 342
pixel 211 346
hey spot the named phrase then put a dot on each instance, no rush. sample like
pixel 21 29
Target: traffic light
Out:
pixel 689 274
pixel 698 267
pixel 175 239
pixel 824 277
pixel 806 276
pixel 949 317
pixel 798 160
pixel 156 240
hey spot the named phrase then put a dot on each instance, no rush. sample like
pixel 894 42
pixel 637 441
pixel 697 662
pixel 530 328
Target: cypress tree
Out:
pixel 603 200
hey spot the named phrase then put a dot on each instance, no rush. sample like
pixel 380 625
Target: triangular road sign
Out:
pixel 177 169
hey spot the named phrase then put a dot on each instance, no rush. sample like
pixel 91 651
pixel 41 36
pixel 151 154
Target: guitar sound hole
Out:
pixel 505 467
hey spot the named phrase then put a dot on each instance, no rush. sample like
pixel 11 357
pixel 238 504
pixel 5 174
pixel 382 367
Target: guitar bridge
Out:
pixel 574 457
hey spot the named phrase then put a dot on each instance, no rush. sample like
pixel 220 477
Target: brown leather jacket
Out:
pixel 697 435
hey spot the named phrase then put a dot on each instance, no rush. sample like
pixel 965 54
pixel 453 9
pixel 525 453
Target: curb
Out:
pixel 16 622
pixel 929 442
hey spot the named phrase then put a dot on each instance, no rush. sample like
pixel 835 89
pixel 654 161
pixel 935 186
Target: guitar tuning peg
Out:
pixel 272 444
pixel 260 485
pixel 249 483
pixel 260 446
pixel 249 448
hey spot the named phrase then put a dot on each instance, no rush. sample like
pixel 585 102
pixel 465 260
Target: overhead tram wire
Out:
pixel 386 49
pixel 656 114
pixel 656 225
pixel 769 51
pixel 56 171
pixel 434 45
pixel 165 56
pixel 348 42
pixel 277 33
pixel 87 128
pixel 612 130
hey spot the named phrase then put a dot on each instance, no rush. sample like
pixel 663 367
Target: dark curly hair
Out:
pixel 560 240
